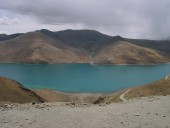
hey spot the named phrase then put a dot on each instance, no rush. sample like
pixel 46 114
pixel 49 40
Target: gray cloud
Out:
pixel 130 18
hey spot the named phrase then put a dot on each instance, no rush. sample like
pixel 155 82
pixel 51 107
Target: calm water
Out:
pixel 82 77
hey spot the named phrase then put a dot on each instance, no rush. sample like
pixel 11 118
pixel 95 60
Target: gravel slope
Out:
pixel 147 112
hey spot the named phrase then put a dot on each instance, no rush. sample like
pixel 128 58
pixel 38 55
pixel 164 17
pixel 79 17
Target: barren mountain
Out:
pixel 35 47
pixel 89 41
pixel 80 46
pixel 159 45
pixel 123 52
pixel 4 37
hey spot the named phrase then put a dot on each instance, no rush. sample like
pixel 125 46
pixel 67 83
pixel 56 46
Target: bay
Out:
pixel 83 77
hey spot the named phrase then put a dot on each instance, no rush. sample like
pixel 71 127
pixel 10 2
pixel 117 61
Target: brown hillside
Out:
pixel 52 96
pixel 126 53
pixel 161 87
pixel 84 46
pixel 13 92
pixel 35 47
pixel 55 96
pixel 157 88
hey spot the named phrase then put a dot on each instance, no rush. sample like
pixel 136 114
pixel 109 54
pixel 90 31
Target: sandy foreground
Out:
pixel 146 112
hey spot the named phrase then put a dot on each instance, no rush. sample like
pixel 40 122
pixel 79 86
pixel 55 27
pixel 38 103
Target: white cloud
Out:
pixel 4 20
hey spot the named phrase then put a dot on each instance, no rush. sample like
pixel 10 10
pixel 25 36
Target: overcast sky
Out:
pixel 128 18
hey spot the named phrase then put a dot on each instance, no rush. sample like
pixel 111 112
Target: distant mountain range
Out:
pixel 81 46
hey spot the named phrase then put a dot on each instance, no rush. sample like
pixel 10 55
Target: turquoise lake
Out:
pixel 83 77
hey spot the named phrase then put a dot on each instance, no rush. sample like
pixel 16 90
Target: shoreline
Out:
pixel 157 88
pixel 122 95
pixel 91 92
pixel 92 64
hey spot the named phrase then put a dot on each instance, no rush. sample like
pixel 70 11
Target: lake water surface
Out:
pixel 83 77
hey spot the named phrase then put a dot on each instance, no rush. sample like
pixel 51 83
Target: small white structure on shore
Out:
pixel 166 77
